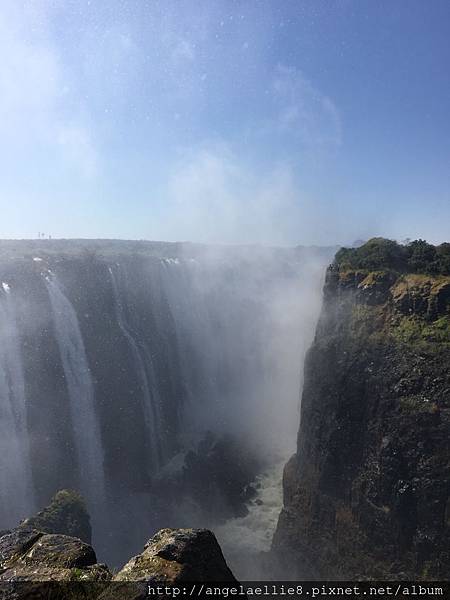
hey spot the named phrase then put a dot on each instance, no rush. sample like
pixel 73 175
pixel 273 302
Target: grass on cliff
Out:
pixel 414 330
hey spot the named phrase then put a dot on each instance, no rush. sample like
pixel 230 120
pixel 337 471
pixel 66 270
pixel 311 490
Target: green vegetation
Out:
pixel 414 330
pixel 378 254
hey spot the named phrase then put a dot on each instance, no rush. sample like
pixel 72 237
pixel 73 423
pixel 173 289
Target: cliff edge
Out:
pixel 367 495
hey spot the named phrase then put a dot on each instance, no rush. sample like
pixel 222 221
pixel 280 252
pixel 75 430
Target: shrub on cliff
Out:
pixel 376 254
pixel 380 254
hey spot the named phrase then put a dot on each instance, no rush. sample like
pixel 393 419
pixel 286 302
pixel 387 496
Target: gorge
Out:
pixel 161 381
pixel 158 380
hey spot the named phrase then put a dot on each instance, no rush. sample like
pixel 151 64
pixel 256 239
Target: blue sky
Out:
pixel 279 122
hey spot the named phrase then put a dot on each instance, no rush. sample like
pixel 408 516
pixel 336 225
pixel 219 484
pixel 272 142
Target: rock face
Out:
pixel 368 492
pixel 65 514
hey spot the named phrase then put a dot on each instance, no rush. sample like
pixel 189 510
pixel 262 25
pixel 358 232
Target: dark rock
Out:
pixel 34 564
pixel 171 557
pixel 174 555
pixel 38 565
pixel 66 514
pixel 53 550
pixel 15 543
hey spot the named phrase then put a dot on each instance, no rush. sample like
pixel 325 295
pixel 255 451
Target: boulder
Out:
pixel 171 557
pixel 39 565
pixel 175 555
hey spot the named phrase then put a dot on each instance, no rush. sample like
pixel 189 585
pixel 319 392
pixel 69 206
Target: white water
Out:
pixel 142 358
pixel 16 489
pixel 249 535
pixel 85 425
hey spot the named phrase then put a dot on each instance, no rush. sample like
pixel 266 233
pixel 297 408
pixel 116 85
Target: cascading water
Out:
pixel 199 359
pixel 16 489
pixel 143 363
pixel 249 535
pixel 144 374
pixel 85 425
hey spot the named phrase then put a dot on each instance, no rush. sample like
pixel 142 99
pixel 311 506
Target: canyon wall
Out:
pixel 367 495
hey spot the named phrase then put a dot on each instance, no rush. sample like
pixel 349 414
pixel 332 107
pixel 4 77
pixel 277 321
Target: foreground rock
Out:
pixel 37 558
pixel 33 563
pixel 367 494
pixel 36 564
pixel 174 555
pixel 171 557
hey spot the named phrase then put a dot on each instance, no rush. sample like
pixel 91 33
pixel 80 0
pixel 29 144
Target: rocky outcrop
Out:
pixel 42 554
pixel 65 514
pixel 171 557
pixel 33 563
pixel 367 494
pixel 38 564
pixel 176 555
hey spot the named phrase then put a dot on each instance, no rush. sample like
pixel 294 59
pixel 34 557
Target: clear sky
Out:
pixel 272 121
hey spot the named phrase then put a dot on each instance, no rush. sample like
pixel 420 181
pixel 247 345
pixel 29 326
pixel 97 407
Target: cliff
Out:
pixel 367 495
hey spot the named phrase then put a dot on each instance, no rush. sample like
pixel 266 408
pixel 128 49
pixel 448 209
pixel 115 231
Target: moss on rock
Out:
pixel 66 514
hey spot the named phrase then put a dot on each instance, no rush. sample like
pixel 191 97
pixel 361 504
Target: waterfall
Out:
pixel 143 363
pixel 16 488
pixel 195 318
pixel 81 395
pixel 206 345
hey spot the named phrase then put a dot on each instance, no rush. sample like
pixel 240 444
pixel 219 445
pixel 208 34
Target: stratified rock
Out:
pixel 66 514
pixel 367 493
